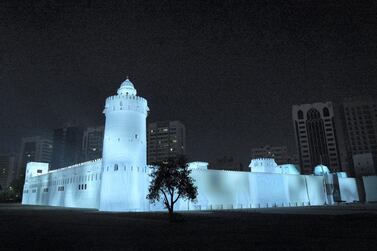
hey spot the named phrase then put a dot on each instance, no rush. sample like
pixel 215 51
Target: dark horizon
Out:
pixel 229 71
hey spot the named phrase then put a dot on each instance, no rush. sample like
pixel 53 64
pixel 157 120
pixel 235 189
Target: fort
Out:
pixel 119 181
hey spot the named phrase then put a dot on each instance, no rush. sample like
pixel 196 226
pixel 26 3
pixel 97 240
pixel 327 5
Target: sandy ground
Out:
pixel 347 227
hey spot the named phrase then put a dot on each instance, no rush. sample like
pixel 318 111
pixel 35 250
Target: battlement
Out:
pixel 126 102
pixel 264 165
pixel 90 162
pixel 130 97
pixel 265 159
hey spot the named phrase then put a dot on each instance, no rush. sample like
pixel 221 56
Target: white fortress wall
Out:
pixel 125 189
pixel 296 189
pixel 79 186
pixel 218 189
pixel 268 189
pixel 348 189
pixel 316 189
pixel 73 186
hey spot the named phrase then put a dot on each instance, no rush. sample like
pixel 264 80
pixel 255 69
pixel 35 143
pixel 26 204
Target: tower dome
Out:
pixel 321 170
pixel 289 169
pixel 126 88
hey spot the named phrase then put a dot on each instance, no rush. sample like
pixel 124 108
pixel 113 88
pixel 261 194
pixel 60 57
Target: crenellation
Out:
pixel 126 103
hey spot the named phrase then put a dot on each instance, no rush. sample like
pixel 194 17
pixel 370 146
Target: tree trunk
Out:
pixel 171 208
pixel 171 213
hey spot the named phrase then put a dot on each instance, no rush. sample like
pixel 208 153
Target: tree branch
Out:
pixel 166 199
pixel 179 195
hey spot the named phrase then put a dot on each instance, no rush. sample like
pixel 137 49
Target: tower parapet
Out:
pixel 126 102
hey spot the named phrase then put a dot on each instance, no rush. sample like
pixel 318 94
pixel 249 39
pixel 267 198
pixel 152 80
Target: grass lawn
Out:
pixel 334 228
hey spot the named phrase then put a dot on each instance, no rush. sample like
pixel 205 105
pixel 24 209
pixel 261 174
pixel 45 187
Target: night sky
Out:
pixel 229 71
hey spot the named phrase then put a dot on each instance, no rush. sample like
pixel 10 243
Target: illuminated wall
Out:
pixel 348 189
pixel 217 189
pixel 73 186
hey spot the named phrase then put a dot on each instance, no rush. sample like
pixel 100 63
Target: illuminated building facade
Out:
pixel 119 181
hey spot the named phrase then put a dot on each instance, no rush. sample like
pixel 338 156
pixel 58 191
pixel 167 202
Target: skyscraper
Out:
pixel 37 148
pixel 67 144
pixel 7 170
pixel 360 120
pixel 92 143
pixel 316 136
pixel 165 139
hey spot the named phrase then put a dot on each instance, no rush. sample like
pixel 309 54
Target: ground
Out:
pixel 346 227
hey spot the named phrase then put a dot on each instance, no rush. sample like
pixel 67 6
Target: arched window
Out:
pixel 300 114
pixel 313 114
pixel 326 112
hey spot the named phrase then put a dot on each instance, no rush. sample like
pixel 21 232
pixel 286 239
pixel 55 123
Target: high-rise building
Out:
pixel 363 165
pixel 7 170
pixel 360 123
pixel 92 143
pixel 279 153
pixel 37 148
pixel 165 139
pixel 67 144
pixel 316 136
